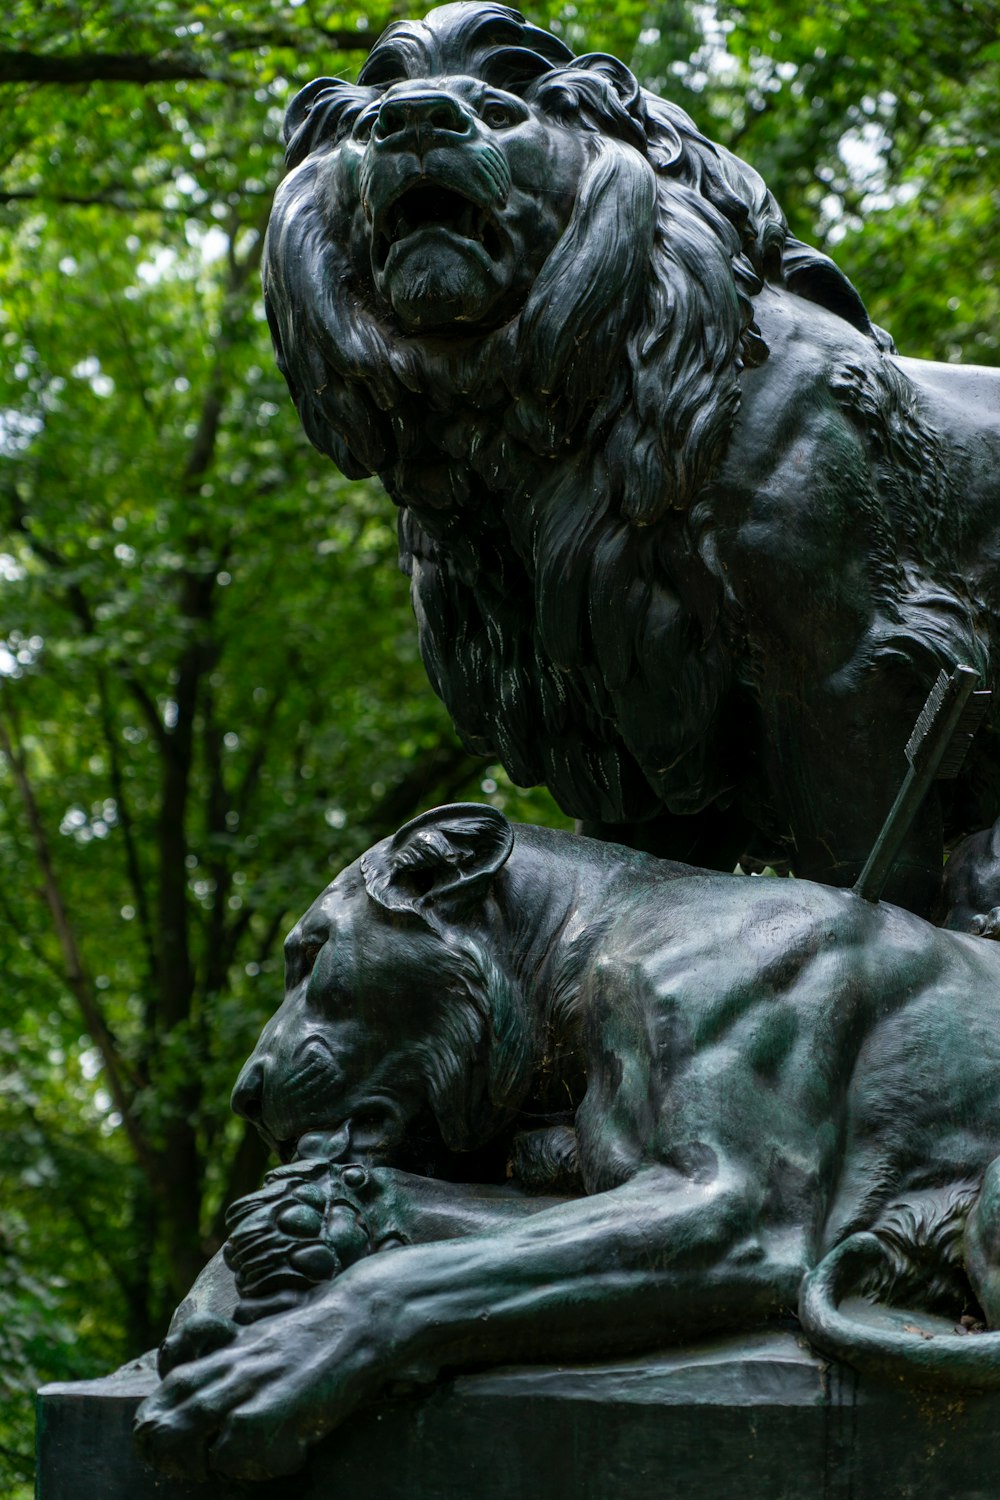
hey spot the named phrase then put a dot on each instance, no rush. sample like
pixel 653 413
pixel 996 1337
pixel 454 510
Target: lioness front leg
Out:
pixel 261 1271
pixel 652 1260
pixel 312 1220
pixel 252 1408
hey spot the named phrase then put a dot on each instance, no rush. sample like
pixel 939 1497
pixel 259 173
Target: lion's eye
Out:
pixel 496 116
pixel 363 125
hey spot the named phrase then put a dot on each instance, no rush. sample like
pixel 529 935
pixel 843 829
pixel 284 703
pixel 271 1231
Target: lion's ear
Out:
pixel 451 853
pixel 615 73
pixel 639 118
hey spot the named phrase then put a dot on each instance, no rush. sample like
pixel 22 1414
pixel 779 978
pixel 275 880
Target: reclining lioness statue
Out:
pixel 687 1101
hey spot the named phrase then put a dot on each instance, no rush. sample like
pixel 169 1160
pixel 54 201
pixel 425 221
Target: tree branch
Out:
pixel 255 764
pixel 120 1269
pixel 76 975
pixel 243 1176
pixel 202 450
pixel 80 606
pixel 31 945
pixel 132 863
pixel 443 770
pixel 339 38
pixel 18 1460
pixel 172 67
pixel 111 198
pixel 103 67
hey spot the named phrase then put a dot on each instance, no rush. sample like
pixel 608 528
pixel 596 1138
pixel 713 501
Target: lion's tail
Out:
pixel 918 1357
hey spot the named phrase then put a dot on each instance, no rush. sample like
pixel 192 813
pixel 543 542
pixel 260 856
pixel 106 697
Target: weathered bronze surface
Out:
pixel 688 542
pixel 675 1103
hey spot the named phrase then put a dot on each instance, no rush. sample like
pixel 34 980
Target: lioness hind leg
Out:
pixel 972 885
pixel 982 1245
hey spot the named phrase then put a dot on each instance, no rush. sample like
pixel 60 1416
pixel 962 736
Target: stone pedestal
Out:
pixel 759 1418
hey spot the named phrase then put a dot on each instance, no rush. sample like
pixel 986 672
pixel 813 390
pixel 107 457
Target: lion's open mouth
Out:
pixel 428 206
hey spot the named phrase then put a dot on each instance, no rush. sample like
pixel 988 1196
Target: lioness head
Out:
pixel 394 1004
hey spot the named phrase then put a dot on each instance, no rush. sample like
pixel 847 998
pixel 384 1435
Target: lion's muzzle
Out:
pixel 413 118
pixel 434 185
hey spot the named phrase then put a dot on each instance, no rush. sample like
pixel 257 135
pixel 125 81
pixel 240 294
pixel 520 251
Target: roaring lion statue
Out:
pixel 685 536
pixel 714 1098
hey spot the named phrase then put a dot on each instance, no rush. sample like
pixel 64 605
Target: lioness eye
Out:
pixel 310 951
pixel 497 116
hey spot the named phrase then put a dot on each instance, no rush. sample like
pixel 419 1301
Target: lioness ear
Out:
pixel 447 854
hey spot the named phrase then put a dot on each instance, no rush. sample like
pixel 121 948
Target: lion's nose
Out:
pixel 248 1095
pixel 422 110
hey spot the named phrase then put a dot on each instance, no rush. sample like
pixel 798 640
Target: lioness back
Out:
pixel 822 1042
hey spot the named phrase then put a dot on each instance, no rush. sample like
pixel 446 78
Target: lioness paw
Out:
pixel 986 924
pixel 252 1446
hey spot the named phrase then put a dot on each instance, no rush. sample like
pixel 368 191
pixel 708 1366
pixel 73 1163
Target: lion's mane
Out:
pixel 554 474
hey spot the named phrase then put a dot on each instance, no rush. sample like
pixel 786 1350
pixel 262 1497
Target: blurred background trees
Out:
pixel 210 695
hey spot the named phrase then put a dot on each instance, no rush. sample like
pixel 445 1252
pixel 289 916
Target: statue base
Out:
pixel 760 1417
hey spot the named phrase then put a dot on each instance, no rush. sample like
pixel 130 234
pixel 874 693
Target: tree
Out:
pixel 210 694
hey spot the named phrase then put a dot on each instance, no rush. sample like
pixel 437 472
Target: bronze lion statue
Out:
pixel 688 543
pixel 682 1101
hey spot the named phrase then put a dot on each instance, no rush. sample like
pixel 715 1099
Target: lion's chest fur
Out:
pixel 605 660
pixel 583 652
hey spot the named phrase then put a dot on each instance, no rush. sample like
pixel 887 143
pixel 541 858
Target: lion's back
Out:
pixel 962 402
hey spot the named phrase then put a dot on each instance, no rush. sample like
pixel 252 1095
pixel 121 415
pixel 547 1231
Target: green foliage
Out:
pixel 210 695
pixel 876 126
pixel 210 691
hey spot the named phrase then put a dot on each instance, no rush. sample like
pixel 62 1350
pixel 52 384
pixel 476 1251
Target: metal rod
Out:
pixel 939 720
